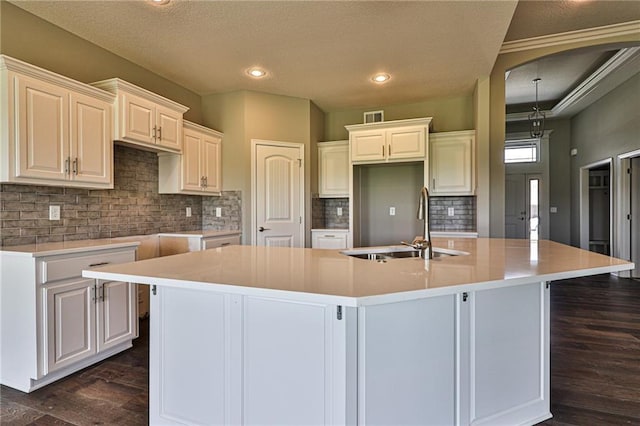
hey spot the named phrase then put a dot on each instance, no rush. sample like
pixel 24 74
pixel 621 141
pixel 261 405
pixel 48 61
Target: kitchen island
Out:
pixel 267 335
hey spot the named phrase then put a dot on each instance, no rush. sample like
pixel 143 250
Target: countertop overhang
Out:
pixel 327 276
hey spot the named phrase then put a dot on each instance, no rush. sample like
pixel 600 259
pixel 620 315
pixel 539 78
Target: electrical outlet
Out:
pixel 188 211
pixel 553 210
pixel 392 211
pixel 339 211
pixel 451 211
pixel 54 212
pixel 218 211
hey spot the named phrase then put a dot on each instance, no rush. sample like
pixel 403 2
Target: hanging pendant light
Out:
pixel 536 118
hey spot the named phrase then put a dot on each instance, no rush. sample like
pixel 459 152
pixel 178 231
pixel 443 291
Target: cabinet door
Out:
pixel 138 119
pixel 116 313
pixel 409 142
pixel 91 140
pixel 508 355
pixel 191 173
pixel 211 167
pixel 191 356
pixel 42 115
pixel 70 323
pixel 334 171
pixel 367 146
pixel 168 128
pixel 452 165
pixel 418 339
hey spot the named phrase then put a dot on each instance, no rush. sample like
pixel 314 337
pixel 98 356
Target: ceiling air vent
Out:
pixel 373 117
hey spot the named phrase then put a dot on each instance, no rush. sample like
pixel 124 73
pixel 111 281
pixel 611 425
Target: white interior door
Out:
pixel 278 194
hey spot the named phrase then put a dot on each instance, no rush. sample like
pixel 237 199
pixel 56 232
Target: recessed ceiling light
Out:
pixel 256 72
pixel 381 78
pixel 160 2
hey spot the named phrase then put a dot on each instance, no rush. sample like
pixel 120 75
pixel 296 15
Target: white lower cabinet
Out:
pixel 407 362
pixel 329 238
pixel 70 317
pixel 53 322
pixel 472 358
pixel 170 244
pixel 244 360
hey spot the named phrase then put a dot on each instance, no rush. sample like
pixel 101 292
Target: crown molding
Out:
pixel 15 65
pixel 584 89
pixel 613 72
pixel 596 33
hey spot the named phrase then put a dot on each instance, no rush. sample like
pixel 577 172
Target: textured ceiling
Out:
pixel 327 51
pixel 534 18
pixel 558 73
pixel 320 50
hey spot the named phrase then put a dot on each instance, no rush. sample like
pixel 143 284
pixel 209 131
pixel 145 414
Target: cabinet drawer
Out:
pixel 220 242
pixel 64 267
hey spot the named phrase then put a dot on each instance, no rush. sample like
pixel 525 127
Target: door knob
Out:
pixel 262 229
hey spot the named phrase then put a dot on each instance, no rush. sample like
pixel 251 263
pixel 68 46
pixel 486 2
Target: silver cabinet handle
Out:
pixel 75 166
pixel 154 133
pixel 262 229
pixel 160 133
pixel 66 165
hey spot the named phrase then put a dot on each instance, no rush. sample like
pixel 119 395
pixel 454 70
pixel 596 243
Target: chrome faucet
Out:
pixel 423 243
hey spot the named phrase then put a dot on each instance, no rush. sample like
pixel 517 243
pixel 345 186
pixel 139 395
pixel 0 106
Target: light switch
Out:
pixel 54 212
pixel 218 211
pixel 339 211
pixel 392 211
pixel 451 211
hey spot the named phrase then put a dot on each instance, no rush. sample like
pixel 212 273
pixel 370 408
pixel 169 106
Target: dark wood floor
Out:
pixel 595 351
pixel 595 368
pixel 113 392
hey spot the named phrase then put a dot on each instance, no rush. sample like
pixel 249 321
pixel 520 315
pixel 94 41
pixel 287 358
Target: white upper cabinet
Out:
pixel 198 170
pixel 391 141
pixel 453 166
pixel 333 169
pixel 145 118
pixel 55 131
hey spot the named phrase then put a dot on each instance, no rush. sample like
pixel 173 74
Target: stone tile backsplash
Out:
pixel 230 204
pixel 463 219
pixel 325 213
pixel 133 207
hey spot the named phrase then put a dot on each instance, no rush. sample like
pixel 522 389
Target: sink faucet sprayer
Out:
pixel 423 243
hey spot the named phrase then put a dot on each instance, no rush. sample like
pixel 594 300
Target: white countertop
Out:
pixel 67 247
pixel 326 276
pixel 199 234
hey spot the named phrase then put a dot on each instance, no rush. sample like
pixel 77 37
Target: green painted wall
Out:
pixel 244 116
pixel 449 114
pixel 607 128
pixel 504 63
pixel 26 37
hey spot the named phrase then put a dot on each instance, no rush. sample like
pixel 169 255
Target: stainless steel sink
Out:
pixel 397 252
